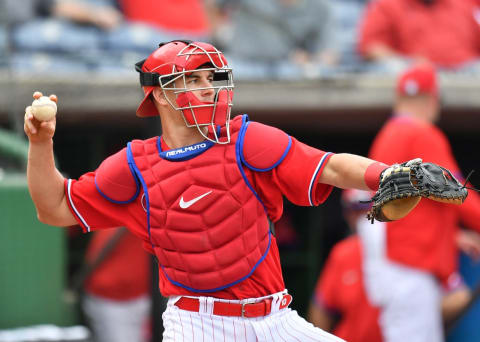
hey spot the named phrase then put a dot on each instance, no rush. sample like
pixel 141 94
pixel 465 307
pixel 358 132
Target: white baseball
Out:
pixel 44 109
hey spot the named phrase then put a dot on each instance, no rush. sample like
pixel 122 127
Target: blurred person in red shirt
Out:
pixel 443 32
pixel 339 303
pixel 184 18
pixel 116 298
pixel 408 261
pixel 293 39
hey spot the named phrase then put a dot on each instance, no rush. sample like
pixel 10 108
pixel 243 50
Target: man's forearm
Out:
pixel 347 171
pixel 45 184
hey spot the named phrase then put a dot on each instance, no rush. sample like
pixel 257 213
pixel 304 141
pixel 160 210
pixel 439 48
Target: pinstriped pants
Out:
pixel 284 325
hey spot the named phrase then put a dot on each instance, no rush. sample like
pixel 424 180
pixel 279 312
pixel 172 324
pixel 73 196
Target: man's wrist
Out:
pixel 372 174
pixel 40 142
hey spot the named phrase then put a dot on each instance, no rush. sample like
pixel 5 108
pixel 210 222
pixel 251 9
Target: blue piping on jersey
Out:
pixel 241 138
pixel 133 166
pixel 227 285
pixel 121 202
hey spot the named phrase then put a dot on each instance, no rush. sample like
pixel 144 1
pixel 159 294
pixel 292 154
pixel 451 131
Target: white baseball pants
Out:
pixel 283 325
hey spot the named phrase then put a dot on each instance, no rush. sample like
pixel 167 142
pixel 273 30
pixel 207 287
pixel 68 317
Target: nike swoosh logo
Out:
pixel 185 205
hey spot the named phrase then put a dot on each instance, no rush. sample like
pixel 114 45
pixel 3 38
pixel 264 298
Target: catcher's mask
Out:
pixel 176 60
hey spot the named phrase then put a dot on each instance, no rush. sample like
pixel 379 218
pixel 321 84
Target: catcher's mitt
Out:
pixel 402 186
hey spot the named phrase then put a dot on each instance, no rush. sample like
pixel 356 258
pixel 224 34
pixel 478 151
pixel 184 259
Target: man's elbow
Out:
pixel 51 220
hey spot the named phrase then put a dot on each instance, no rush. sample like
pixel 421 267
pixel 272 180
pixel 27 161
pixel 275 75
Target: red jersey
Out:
pixel 426 237
pixel 182 16
pixel 446 32
pixel 125 273
pixel 296 178
pixel 340 290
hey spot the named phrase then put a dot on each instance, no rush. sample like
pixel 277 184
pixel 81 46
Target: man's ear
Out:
pixel 159 96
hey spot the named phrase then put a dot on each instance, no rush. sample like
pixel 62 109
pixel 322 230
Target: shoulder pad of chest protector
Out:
pixel 115 180
pixel 263 147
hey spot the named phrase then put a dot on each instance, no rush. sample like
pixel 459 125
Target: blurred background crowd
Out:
pixel 79 48
pixel 264 40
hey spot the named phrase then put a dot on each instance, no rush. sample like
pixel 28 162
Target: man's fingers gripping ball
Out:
pixel 403 185
pixel 44 108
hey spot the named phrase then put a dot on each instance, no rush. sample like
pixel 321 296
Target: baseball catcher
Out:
pixel 402 186
pixel 203 196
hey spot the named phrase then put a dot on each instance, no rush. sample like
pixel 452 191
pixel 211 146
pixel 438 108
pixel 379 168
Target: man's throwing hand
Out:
pixel 35 129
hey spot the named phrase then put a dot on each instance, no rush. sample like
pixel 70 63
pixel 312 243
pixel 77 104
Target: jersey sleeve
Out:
pixel 93 211
pixel 296 177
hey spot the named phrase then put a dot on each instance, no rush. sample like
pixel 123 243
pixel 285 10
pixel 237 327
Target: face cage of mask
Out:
pixel 169 86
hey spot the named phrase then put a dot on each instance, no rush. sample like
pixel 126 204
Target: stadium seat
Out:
pixel 347 14
pixel 3 47
pixel 3 41
pixel 134 37
pixel 118 63
pixel 42 63
pixel 53 35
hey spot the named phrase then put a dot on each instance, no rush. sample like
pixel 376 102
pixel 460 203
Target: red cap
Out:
pixel 419 79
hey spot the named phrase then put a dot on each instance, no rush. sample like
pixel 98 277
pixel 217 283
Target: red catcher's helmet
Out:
pixel 173 61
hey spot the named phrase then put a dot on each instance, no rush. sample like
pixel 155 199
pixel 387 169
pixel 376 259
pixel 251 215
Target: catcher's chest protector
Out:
pixel 207 228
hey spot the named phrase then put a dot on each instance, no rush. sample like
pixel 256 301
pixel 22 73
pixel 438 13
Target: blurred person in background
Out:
pixel 408 261
pixel 58 36
pixel 286 39
pixel 340 304
pixel 116 291
pixel 105 35
pixel 394 33
pixel 101 14
pixel 147 22
pixel 346 16
pixel 189 19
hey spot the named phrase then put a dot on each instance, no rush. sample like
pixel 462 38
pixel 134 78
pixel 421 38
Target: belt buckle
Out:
pixel 243 310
